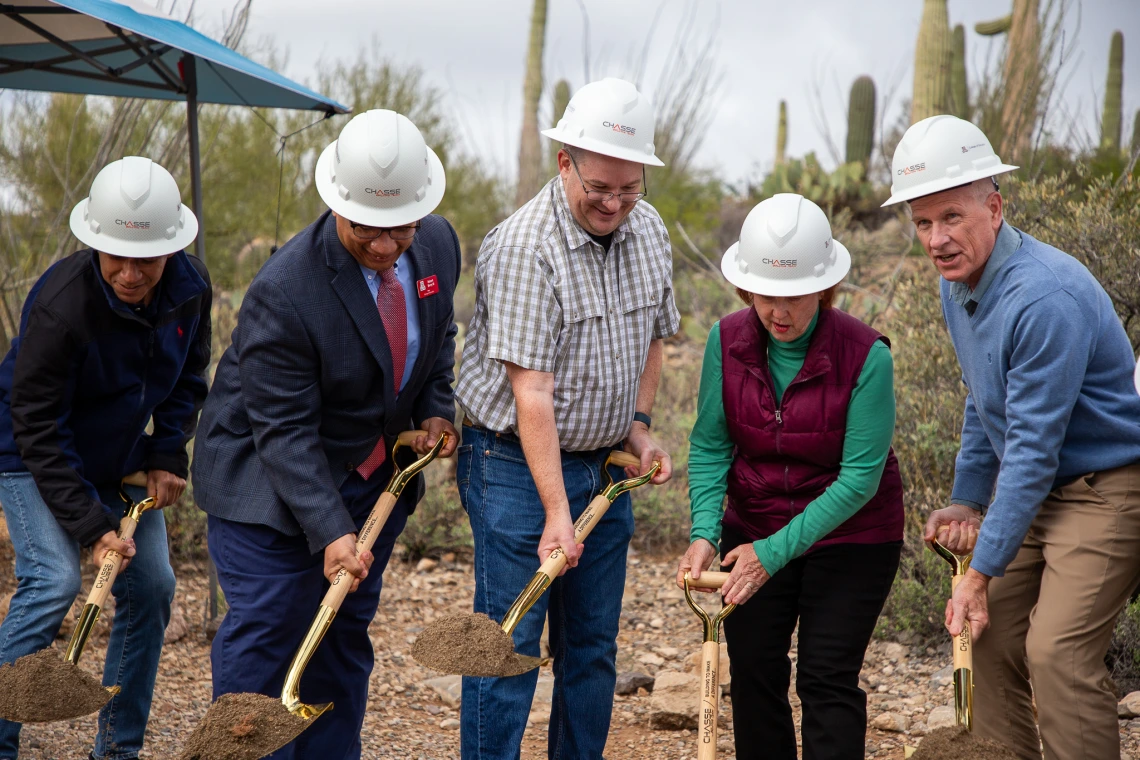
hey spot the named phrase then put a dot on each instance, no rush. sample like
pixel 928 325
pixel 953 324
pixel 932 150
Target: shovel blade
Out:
pixel 309 712
pixel 470 645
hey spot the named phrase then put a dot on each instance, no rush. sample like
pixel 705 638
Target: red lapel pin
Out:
pixel 428 286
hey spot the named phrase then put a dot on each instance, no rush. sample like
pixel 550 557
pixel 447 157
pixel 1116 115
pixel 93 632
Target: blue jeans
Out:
pixel 48 580
pixel 273 586
pixel 507 519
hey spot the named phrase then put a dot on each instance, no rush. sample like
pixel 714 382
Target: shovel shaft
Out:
pixel 582 527
pixel 334 597
pixel 710 699
pixel 963 674
pixel 111 564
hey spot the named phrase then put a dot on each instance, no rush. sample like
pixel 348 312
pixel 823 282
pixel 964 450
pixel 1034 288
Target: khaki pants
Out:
pixel 1051 621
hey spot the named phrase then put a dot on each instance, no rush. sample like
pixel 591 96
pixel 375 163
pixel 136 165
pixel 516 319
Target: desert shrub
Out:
pixel 439 523
pixel 1123 658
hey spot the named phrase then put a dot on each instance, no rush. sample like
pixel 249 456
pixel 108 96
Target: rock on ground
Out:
pixel 674 702
pixel 629 683
pixel 1129 707
pixel 941 717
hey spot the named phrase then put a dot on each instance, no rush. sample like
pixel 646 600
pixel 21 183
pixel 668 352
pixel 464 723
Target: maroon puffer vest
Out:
pixel 787 456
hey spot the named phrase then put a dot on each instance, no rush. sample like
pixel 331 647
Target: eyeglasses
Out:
pixel 601 196
pixel 406 232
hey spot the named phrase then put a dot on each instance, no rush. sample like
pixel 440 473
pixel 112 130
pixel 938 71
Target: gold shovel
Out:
pixel 445 645
pixel 709 706
pixel 334 597
pixel 252 725
pixel 65 691
pixel 112 561
pixel 963 652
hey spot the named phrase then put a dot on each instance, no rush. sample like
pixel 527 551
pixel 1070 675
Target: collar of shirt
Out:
pixel 1007 243
pixel 403 269
pixel 575 236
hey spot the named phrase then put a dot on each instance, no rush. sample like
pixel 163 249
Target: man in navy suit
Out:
pixel 345 339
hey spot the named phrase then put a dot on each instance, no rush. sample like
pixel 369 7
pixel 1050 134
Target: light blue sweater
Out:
pixel 1049 371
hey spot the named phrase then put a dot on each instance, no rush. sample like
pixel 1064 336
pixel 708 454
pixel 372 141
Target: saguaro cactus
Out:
pixel 932 57
pixel 861 120
pixel 1110 120
pixel 782 134
pixel 530 152
pixel 1021 75
pixel 560 98
pixel 1135 146
pixel 959 90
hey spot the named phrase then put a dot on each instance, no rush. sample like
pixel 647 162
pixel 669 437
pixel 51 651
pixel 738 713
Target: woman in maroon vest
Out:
pixel 794 423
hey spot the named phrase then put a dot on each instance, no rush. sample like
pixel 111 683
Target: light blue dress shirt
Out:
pixel 404 274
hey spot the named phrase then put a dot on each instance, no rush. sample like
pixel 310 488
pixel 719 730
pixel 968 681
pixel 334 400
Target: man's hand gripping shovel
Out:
pixel 269 724
pixel 77 693
pixel 473 645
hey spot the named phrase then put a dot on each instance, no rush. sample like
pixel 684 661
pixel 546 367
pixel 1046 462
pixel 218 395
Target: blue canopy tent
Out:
pixel 129 49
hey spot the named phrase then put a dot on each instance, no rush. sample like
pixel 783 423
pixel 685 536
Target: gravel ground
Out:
pixel 409 718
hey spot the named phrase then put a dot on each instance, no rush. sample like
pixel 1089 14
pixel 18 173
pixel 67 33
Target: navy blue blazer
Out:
pixel 305 390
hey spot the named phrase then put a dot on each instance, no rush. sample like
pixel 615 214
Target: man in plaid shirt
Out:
pixel 573 298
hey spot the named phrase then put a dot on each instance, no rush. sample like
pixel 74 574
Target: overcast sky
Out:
pixel 804 51
pixel 766 50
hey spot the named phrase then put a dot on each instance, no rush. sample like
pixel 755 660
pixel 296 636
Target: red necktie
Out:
pixel 394 315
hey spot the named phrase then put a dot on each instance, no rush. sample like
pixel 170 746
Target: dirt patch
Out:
pixel 242 727
pixel 470 645
pixel 956 743
pixel 43 687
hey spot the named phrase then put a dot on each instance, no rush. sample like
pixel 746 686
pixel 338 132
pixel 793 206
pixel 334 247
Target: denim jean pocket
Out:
pixel 463 472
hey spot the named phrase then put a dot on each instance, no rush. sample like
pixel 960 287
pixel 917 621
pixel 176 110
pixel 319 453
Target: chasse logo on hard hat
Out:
pixel 133 225
pixel 780 262
pixel 619 128
pixel 912 169
pixel 381 192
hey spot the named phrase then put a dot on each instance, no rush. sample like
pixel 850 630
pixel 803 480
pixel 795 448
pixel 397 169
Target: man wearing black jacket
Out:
pixel 112 337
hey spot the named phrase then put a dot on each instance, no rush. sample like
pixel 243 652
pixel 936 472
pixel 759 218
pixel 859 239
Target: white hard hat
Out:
pixel 134 210
pixel 785 249
pixel 609 117
pixel 379 172
pixel 939 153
pixel 1136 376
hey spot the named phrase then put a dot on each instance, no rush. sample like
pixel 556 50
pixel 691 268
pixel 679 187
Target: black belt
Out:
pixel 512 438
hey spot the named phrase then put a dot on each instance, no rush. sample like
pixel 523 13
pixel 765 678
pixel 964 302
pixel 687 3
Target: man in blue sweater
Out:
pixel 1050 453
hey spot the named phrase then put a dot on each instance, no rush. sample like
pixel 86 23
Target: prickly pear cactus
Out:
pixel 782 134
pixel 932 58
pixel 1110 123
pixel 861 120
pixel 959 90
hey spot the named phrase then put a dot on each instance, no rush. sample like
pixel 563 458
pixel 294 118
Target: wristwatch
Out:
pixel 644 418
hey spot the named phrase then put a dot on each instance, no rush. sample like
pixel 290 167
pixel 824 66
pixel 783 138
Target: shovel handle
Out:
pixel 708 579
pixel 112 561
pixel 337 592
pixel 963 646
pixel 623 459
pixel 582 527
pixel 710 701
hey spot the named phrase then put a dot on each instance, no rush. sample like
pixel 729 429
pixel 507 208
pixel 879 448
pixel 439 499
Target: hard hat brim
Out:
pixel 601 148
pixel 1136 378
pixel 378 217
pixel 801 286
pixel 946 183
pixel 133 249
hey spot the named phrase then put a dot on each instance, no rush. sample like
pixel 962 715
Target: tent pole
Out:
pixel 190 76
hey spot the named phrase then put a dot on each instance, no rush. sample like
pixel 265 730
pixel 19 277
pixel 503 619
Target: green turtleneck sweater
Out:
pixel 870 426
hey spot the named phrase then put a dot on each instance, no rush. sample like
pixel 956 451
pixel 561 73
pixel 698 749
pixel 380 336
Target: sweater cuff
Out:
pixel 766 557
pixel 176 463
pixel 711 534
pixel 991 559
pixel 92 527
pixel 971 504
pixel 975 487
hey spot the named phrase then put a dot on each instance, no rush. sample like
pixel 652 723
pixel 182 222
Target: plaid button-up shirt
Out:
pixel 549 298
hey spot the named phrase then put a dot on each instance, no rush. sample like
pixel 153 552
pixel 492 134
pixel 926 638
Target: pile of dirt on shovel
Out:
pixel 471 644
pixel 956 743
pixel 242 727
pixel 43 686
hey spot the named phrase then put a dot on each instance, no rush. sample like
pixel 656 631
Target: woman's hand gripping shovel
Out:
pixel 472 644
pixel 709 705
pixel 250 726
pixel 40 687
pixel 963 648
